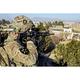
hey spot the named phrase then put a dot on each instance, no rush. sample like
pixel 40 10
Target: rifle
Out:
pixel 32 34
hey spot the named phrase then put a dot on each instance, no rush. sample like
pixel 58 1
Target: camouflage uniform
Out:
pixel 19 59
pixel 10 54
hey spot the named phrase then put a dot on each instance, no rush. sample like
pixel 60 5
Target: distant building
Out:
pixel 55 30
pixel 67 28
pixel 69 32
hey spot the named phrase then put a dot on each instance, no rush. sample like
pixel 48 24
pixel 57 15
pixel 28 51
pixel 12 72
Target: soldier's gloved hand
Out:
pixel 29 39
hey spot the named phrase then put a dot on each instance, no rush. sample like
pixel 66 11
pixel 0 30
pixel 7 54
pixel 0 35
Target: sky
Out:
pixel 72 17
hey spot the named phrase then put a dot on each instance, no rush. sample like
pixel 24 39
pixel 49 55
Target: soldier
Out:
pixel 10 53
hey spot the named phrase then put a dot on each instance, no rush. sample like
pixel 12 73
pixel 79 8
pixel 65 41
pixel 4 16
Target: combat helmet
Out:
pixel 22 23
